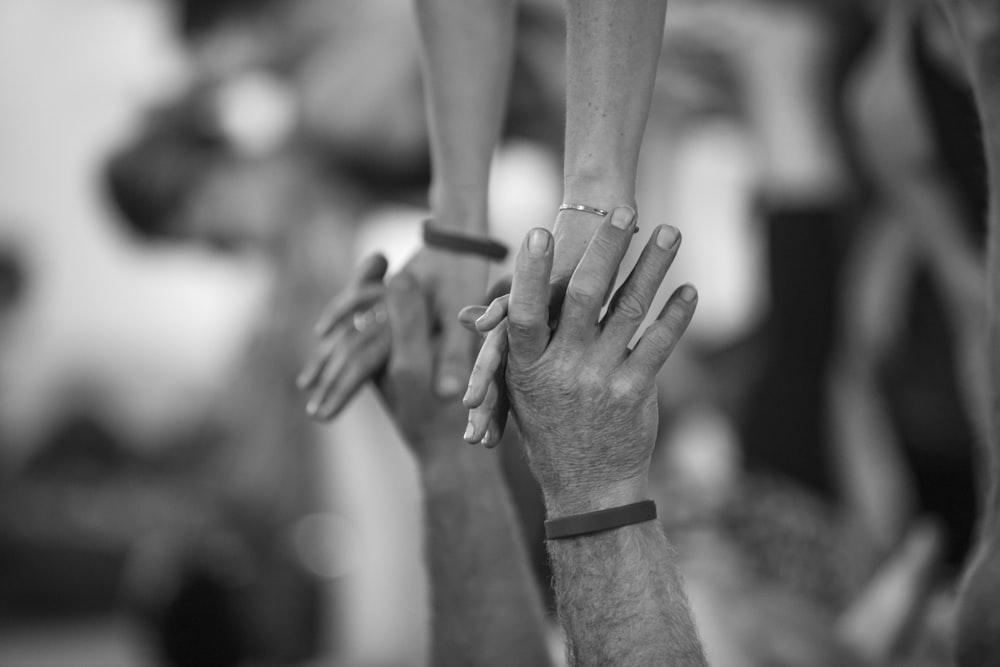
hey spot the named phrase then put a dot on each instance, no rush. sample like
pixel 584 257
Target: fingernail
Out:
pixel 486 437
pixel 668 237
pixel 622 217
pixel 469 430
pixel 312 407
pixel 449 385
pixel 688 294
pixel 468 393
pixel 538 242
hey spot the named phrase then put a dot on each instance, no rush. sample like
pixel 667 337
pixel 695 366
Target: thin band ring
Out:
pixel 584 209
pixel 365 319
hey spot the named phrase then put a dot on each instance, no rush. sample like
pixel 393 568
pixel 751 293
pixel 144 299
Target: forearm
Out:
pixel 621 600
pixel 611 59
pixel 486 606
pixel 468 51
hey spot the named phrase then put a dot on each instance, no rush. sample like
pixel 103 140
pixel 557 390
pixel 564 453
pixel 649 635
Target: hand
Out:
pixel 586 404
pixel 425 419
pixel 453 281
pixel 485 396
pixel 354 342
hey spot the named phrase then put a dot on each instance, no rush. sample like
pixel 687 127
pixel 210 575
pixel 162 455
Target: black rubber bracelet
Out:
pixel 460 243
pixel 595 522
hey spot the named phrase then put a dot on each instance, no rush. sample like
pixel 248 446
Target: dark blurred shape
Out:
pixel 152 180
pixel 200 16
pixel 13 278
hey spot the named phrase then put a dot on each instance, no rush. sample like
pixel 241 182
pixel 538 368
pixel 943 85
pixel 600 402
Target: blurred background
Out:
pixel 187 182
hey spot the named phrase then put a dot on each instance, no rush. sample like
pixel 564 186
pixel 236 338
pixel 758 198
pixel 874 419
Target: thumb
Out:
pixel 455 360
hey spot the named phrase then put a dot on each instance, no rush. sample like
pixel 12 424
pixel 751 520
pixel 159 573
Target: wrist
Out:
pixel 599 188
pixel 573 499
pixel 460 208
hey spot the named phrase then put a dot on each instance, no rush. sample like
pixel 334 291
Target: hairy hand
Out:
pixel 486 393
pixel 585 403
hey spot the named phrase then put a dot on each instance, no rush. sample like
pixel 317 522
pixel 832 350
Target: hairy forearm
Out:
pixel 486 605
pixel 468 49
pixel 611 58
pixel 621 600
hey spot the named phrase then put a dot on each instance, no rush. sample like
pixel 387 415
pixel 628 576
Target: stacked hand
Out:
pixel 486 396
pixel 383 331
pixel 585 403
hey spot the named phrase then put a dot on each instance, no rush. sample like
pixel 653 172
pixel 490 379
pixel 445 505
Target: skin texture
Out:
pixel 612 53
pixel 586 408
pixel 486 608
pixel 467 55
pixel 977 24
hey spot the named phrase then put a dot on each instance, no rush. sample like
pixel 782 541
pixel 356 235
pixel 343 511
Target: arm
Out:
pixel 487 609
pixel 485 604
pixel 468 50
pixel 587 410
pixel 612 52
pixel 467 56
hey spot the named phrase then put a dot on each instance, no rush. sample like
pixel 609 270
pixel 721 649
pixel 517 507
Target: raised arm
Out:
pixel 587 410
pixel 612 52
pixel 468 50
pixel 486 607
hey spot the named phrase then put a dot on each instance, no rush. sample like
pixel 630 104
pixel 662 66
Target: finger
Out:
pixel 341 355
pixel 528 308
pixel 409 326
pixel 491 355
pixel 481 417
pixel 364 362
pixel 310 374
pixel 498 421
pixel 494 314
pixel 662 335
pixel 467 317
pixel 594 276
pixel 346 303
pixel 632 300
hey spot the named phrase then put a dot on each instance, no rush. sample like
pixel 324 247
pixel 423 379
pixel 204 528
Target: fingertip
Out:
pixel 538 242
pixel 688 294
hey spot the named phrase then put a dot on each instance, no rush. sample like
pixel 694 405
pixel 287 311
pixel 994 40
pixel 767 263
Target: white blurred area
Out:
pixel 148 331
pixel 154 332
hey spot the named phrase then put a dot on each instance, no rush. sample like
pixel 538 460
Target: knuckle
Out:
pixel 581 294
pixel 631 306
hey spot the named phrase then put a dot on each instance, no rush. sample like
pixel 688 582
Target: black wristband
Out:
pixel 595 522
pixel 460 243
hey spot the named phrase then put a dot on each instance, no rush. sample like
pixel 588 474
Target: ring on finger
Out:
pixel 366 319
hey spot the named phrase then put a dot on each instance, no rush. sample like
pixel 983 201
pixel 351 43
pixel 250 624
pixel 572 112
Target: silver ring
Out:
pixel 365 319
pixel 585 209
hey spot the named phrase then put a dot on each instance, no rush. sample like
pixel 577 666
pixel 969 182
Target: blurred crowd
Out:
pixel 188 182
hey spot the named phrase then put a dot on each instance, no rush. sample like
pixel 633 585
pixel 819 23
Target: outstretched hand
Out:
pixel 584 402
pixel 486 393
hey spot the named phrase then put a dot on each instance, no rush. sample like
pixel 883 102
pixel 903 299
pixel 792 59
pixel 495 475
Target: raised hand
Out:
pixel 354 342
pixel 584 402
pixel 486 393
